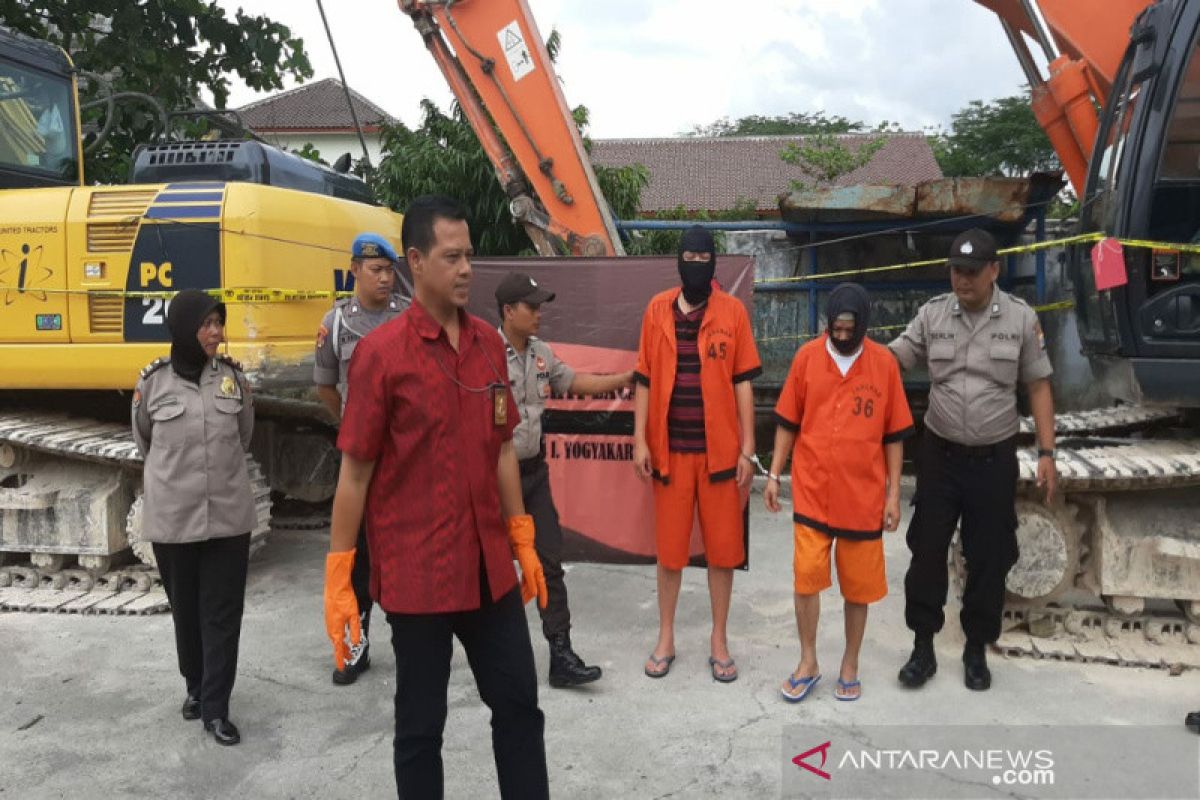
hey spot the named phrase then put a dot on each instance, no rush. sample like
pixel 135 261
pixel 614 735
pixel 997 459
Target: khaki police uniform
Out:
pixel 967 464
pixel 533 376
pixel 342 328
pixel 199 512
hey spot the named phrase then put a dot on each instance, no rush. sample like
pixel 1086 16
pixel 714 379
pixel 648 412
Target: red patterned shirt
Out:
pixel 427 416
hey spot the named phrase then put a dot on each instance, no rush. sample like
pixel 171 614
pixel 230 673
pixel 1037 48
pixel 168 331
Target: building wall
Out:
pixel 331 146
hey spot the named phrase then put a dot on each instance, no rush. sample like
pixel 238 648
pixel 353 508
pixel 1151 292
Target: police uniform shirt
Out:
pixel 533 375
pixel 341 329
pixel 974 368
pixel 194 438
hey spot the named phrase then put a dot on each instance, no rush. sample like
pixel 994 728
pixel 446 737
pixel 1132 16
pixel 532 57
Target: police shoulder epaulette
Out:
pixel 231 361
pixel 941 298
pixel 154 366
pixel 1018 300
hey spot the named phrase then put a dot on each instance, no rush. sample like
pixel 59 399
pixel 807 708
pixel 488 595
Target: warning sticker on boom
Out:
pixel 520 62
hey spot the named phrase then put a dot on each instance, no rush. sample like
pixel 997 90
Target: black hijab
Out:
pixel 697 276
pixel 185 315
pixel 853 299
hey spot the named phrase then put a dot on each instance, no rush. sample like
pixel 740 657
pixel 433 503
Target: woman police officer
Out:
pixel 192 420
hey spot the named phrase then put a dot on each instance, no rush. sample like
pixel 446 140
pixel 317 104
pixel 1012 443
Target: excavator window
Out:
pixel 37 122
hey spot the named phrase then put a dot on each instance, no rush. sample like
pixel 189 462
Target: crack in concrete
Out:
pixel 719 767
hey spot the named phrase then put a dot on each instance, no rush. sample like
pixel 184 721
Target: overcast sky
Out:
pixel 659 67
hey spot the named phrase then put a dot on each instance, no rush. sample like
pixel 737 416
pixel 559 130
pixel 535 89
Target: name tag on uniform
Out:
pixel 499 406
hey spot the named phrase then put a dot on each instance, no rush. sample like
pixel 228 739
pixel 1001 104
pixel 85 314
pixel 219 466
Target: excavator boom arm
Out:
pixel 496 63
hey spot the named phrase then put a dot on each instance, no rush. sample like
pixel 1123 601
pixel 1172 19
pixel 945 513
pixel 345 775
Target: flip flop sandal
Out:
pixel 796 683
pixel 845 686
pixel 663 663
pixel 714 663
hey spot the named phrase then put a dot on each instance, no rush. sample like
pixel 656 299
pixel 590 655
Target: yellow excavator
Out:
pixel 87 272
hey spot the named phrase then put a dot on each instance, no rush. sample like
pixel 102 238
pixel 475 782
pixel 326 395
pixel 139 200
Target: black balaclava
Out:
pixel 185 315
pixel 697 276
pixel 851 298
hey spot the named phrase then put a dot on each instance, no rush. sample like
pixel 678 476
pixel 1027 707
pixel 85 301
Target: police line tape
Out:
pixel 1083 238
pixel 228 295
pixel 1061 305
pixel 264 296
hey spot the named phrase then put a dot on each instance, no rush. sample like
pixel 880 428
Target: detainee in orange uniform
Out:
pixel 694 435
pixel 844 398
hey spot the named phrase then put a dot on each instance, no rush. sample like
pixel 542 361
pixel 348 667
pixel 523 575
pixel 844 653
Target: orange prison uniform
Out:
pixel 839 474
pixel 727 356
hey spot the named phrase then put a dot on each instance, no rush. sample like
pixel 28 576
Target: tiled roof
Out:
pixel 713 173
pixel 314 106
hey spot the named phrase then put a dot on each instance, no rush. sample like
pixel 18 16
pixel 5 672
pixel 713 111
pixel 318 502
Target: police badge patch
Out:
pixel 228 387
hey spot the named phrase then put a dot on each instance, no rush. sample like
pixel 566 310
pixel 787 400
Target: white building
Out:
pixel 317 114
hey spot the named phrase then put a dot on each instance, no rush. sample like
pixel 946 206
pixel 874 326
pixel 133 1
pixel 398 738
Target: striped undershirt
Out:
pixel 685 414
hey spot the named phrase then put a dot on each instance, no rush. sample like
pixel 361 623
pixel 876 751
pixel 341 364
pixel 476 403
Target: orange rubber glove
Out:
pixel 533 580
pixel 341 608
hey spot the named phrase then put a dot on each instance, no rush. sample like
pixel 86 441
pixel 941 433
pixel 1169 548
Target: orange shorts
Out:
pixel 859 565
pixel 720 505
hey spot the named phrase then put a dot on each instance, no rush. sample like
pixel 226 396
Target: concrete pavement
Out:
pixel 102 693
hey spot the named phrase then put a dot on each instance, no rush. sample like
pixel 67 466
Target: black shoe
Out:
pixel 190 708
pixel 349 673
pixel 566 668
pixel 1192 721
pixel 922 664
pixel 224 731
pixel 976 674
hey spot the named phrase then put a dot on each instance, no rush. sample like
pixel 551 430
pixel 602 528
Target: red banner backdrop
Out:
pixel 607 512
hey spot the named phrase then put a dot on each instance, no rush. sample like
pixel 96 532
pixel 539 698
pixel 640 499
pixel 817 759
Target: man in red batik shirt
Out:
pixel 427 452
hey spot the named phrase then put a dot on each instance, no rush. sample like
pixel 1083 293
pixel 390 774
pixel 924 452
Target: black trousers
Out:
pixel 978 486
pixel 206 584
pixel 496 640
pixel 539 503
pixel 360 578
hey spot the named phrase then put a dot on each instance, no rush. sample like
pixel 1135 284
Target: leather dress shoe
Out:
pixel 190 708
pixel 349 673
pixel 922 664
pixel 1192 721
pixel 224 731
pixel 567 668
pixel 976 674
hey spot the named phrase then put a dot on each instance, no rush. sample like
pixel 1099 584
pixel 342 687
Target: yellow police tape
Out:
pixel 262 296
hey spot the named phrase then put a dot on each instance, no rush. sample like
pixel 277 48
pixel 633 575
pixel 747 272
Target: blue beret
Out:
pixel 372 245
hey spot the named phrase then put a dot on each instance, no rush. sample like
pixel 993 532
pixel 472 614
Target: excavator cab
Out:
pixel 1143 338
pixel 39 120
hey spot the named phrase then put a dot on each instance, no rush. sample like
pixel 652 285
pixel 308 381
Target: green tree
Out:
pixel 168 49
pixel 998 138
pixel 824 157
pixel 444 156
pixel 796 123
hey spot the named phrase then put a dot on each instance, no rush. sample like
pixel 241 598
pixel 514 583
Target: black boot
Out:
pixel 1192 721
pixel 976 674
pixel 922 664
pixel 566 668
pixel 191 708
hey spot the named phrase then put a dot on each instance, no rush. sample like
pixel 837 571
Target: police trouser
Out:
pixel 539 503
pixel 360 577
pixel 977 485
pixel 206 585
pixel 495 637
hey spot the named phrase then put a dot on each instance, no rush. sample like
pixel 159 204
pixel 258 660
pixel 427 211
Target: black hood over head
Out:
pixel 849 298
pixel 185 315
pixel 697 276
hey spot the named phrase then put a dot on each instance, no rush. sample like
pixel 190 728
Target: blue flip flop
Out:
pixel 795 683
pixel 662 665
pixel 845 685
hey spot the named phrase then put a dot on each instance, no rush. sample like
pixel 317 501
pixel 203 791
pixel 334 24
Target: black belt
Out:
pixel 528 466
pixel 969 451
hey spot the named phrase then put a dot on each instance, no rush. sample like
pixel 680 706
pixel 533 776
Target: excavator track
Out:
pixel 85 582
pixel 1124 518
